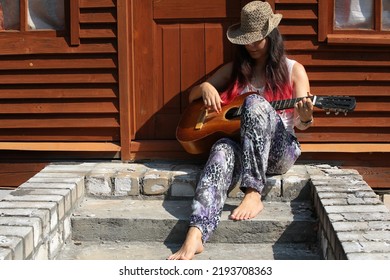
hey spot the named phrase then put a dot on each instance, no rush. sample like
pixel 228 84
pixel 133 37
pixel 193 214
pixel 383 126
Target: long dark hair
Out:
pixel 277 79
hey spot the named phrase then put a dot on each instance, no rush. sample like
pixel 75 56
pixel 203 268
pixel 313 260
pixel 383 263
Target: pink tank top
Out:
pixel 287 116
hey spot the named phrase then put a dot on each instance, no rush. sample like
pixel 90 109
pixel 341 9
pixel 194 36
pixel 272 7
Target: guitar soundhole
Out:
pixel 232 113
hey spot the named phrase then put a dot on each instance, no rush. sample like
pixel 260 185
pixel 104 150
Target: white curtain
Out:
pixel 42 14
pixel 10 14
pixel 46 14
pixel 386 15
pixel 355 14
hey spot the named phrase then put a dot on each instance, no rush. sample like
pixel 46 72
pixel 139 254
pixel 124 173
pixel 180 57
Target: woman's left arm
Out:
pixel 301 88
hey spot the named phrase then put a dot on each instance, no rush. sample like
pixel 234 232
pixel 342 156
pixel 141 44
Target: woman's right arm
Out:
pixel 209 90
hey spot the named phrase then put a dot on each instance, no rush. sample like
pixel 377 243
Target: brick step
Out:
pixel 171 180
pixel 36 218
pixel 151 229
pixel 178 180
pixel 111 250
pixel 166 221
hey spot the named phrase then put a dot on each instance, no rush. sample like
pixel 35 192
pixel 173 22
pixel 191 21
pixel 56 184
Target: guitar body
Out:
pixel 214 126
pixel 199 129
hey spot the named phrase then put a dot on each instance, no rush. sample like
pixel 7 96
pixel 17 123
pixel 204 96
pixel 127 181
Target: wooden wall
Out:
pixel 59 92
pixel 181 46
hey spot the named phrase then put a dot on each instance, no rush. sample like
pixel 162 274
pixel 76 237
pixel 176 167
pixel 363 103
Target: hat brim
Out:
pixel 237 36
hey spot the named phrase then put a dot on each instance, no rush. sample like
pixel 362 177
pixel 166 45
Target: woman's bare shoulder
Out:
pixel 299 72
pixel 298 68
pixel 300 80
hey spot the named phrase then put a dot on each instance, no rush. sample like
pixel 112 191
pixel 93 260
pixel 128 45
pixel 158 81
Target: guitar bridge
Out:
pixel 201 119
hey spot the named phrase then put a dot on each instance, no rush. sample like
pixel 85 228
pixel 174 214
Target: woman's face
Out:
pixel 257 49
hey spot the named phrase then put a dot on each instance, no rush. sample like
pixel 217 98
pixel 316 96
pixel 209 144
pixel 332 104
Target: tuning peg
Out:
pixel 336 113
pixel 327 112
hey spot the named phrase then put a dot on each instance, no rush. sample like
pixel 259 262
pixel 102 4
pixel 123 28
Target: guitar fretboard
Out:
pixel 277 105
pixel 286 103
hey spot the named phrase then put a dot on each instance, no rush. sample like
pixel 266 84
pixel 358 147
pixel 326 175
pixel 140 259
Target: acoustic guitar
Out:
pixel 199 128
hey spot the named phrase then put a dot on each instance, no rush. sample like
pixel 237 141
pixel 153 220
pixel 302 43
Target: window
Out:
pixel 354 21
pixel 353 14
pixel 386 15
pixel 32 15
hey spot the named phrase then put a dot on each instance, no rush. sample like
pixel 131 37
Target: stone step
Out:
pixel 132 220
pixel 110 250
pixel 175 181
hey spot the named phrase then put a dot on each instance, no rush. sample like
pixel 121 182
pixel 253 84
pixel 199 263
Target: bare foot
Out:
pixel 191 246
pixel 250 206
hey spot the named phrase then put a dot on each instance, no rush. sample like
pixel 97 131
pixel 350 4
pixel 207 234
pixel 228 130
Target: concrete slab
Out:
pixel 386 200
pixel 167 221
pixel 180 209
pixel 159 251
pixel 4 193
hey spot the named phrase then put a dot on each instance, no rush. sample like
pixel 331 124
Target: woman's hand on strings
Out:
pixel 211 97
pixel 305 109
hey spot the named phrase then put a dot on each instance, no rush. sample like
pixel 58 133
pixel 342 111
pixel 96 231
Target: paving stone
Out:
pixel 51 207
pixel 34 223
pixel 365 235
pixel 126 184
pixel 386 200
pixel 42 252
pixel 11 248
pixel 156 182
pixel 98 184
pixel 184 180
pixel 24 233
pixel 41 214
pixel 6 254
pixel 367 247
pixel 368 256
pixel 41 186
pixel 74 168
pixel 21 196
pixel 356 209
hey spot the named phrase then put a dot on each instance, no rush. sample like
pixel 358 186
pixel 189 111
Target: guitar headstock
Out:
pixel 335 104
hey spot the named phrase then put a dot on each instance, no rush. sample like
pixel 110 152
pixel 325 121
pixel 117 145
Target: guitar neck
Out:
pixel 287 103
pixel 279 104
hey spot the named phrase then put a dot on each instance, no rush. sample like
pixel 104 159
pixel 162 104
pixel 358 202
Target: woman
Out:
pixel 268 144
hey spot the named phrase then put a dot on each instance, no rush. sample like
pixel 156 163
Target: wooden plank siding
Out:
pixel 59 94
pixel 48 86
pixel 358 71
pixel 183 46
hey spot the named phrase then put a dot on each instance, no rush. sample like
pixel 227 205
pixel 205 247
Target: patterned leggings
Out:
pixel 266 148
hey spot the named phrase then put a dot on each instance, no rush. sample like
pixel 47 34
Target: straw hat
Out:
pixel 257 21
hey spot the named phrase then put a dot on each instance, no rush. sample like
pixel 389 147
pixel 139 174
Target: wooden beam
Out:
pixel 13 45
pixel 345 148
pixel 126 77
pixel 60 146
pixel 174 146
pixel 23 15
pixel 97 3
pixel 74 23
pixel 174 9
pixel 359 39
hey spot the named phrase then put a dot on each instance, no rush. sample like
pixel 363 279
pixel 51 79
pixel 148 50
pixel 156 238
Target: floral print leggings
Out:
pixel 266 148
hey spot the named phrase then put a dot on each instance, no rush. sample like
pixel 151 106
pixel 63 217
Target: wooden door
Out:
pixel 177 44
